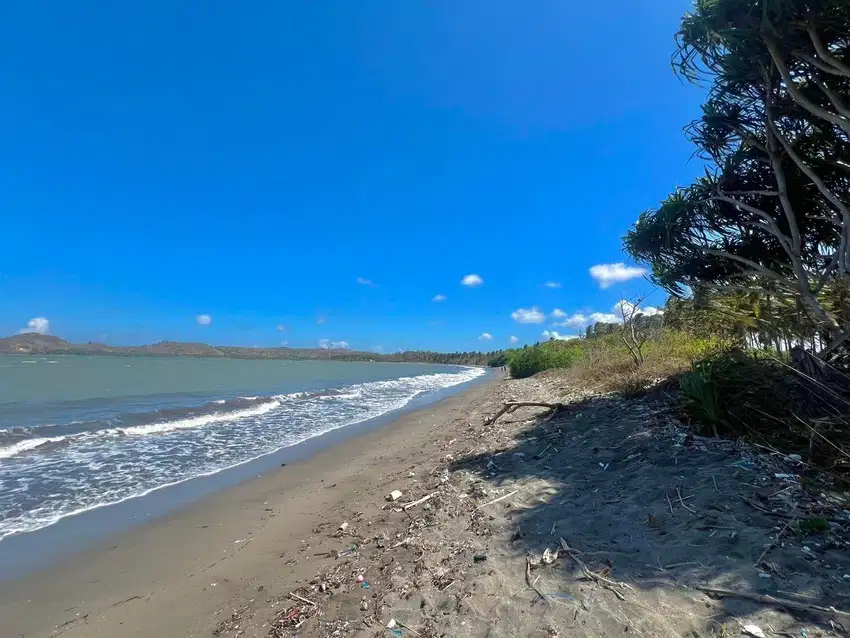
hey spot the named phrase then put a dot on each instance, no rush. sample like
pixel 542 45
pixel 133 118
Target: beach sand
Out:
pixel 604 520
pixel 172 577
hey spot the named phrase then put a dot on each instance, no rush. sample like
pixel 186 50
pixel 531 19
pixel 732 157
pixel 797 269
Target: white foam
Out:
pixel 26 445
pixel 200 421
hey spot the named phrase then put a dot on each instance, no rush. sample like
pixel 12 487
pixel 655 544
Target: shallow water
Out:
pixel 77 433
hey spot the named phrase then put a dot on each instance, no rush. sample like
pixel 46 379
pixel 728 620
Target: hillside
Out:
pixel 39 344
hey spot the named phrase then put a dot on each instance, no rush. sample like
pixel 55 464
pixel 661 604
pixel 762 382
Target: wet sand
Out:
pixel 174 575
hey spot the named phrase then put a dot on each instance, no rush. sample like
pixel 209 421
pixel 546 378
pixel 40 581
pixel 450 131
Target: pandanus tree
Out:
pixel 772 212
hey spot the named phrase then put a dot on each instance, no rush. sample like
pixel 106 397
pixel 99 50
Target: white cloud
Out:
pixel 528 315
pixel 327 344
pixel 320 320
pixel 471 280
pixel 378 349
pixel 284 342
pixel 627 307
pixel 203 320
pixel 39 325
pixel 551 334
pixel 552 284
pixel 365 282
pixel 514 339
pixel 485 336
pixel 609 274
pixel 280 327
pixel 581 320
pixel 438 298
pixel 558 313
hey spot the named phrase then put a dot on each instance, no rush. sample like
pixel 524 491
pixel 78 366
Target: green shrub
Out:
pixel 543 356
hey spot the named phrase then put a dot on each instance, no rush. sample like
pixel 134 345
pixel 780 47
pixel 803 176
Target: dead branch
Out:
pixel 608 584
pixel 528 579
pixel 513 405
pixel 772 600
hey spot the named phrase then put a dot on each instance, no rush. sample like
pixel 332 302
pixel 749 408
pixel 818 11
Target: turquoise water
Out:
pixel 78 433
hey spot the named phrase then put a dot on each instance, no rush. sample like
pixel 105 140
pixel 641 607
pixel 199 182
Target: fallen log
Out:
pixel 510 406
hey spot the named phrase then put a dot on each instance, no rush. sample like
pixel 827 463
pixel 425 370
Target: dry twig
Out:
pixel 774 542
pixel 496 500
pixel 771 600
pixel 510 406
pixel 407 506
pixel 611 585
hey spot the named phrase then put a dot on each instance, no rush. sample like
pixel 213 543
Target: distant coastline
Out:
pixel 39 344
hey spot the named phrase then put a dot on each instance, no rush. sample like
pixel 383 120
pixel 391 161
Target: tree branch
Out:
pixel 801 99
pixel 841 69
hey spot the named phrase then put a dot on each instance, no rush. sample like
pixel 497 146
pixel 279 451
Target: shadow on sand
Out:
pixel 661 510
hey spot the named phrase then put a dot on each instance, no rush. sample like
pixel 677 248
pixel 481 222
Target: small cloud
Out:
pixel 581 320
pixel 284 342
pixel 39 325
pixel 471 280
pixel 552 284
pixel 327 344
pixel 514 339
pixel 551 334
pixel 485 336
pixel 528 315
pixel 365 282
pixel 626 307
pixel 203 320
pixel 378 349
pixel 320 320
pixel 609 274
pixel 280 327
pixel 438 298
pixel 557 313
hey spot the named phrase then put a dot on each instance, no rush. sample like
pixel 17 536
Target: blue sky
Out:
pixel 250 161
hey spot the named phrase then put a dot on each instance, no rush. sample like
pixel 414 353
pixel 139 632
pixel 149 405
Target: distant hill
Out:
pixel 33 343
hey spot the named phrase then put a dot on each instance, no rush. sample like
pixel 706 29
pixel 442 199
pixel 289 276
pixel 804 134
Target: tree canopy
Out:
pixel 772 212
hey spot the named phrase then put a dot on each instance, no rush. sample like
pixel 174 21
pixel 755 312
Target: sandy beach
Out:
pixel 175 575
pixel 608 518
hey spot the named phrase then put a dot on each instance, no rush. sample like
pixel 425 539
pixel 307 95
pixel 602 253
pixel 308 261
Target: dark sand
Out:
pixel 173 576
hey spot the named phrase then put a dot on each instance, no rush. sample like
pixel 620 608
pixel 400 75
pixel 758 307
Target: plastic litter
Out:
pixel 753 630
pixel 557 594
pixel 394 495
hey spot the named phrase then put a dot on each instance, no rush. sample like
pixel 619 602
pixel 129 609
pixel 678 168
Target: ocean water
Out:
pixel 77 433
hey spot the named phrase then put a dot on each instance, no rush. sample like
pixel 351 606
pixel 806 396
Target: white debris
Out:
pixel 344 526
pixel 394 495
pixel 753 630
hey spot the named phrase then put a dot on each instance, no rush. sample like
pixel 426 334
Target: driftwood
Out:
pixel 511 406
pixel 772 600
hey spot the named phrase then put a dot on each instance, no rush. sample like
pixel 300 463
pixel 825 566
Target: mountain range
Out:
pixel 32 343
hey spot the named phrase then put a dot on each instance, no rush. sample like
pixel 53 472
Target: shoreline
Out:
pixel 36 549
pixel 153 549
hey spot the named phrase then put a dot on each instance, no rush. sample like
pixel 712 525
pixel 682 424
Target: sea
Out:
pixel 79 433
